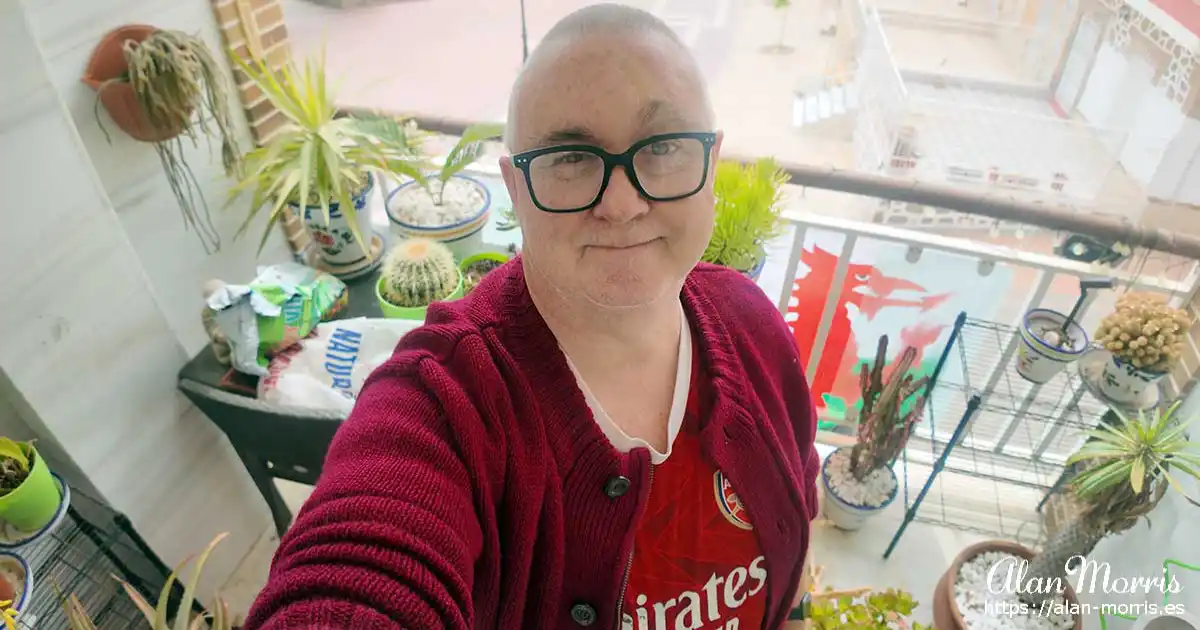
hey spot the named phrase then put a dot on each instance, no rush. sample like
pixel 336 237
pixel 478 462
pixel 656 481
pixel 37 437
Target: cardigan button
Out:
pixel 583 614
pixel 617 486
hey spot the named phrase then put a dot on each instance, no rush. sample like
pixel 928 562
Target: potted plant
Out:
pixel 218 617
pixel 476 266
pixel 451 207
pixel 749 199
pixel 859 481
pixel 320 164
pixel 1128 463
pixel 1048 343
pixel 16 588
pixel 863 609
pixel 1144 336
pixel 157 86
pixel 29 496
pixel 415 274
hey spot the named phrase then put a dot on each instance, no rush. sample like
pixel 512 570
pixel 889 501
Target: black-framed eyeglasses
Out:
pixel 573 177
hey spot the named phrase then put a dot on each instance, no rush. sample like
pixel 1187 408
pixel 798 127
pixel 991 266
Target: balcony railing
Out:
pixel 841 283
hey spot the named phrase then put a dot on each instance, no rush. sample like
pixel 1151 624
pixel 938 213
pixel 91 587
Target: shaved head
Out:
pixel 615 23
pixel 611 80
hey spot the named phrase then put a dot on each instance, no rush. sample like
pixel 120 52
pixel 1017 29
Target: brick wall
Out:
pixel 255 29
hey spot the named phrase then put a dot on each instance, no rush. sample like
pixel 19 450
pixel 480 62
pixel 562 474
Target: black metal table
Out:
pixel 273 441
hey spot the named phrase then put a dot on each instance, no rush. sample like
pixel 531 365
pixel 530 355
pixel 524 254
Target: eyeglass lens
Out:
pixel 571 179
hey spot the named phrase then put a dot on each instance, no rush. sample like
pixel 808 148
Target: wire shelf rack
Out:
pixel 82 555
pixel 992 446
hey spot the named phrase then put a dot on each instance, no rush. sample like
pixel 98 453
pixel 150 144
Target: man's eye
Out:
pixel 662 148
pixel 569 158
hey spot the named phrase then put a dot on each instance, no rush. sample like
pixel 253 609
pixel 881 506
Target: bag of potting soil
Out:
pixel 274 312
pixel 327 369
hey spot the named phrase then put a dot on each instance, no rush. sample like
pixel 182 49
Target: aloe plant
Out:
pixel 319 158
pixel 1129 462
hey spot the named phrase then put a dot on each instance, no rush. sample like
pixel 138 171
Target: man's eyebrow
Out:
pixel 569 134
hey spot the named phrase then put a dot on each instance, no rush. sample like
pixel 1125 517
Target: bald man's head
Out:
pixel 611 108
pixel 610 28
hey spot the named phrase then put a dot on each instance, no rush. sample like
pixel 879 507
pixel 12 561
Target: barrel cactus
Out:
pixel 417 273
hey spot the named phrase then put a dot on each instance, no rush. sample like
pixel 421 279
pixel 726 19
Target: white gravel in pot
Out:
pixel 872 492
pixel 412 205
pixel 999 607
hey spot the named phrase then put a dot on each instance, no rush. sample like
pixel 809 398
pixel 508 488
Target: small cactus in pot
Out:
pixel 415 274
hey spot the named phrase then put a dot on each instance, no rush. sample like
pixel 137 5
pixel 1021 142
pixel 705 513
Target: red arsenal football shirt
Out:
pixel 696 562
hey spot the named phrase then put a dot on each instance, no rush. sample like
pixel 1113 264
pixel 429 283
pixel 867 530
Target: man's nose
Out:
pixel 621 202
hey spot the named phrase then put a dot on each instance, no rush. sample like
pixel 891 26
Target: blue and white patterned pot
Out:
pixel 463 237
pixel 1125 384
pixel 335 240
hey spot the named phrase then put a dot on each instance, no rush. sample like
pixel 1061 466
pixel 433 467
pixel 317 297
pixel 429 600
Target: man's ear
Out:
pixel 512 177
pixel 717 145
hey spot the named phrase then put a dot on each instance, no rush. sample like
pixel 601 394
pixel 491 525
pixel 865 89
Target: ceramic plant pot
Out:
pixel 335 240
pixel 946 613
pixel 1124 384
pixel 104 73
pixel 844 513
pixel 17 587
pixel 1039 358
pixel 458 222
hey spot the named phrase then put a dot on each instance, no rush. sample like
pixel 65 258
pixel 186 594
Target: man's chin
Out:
pixel 626 291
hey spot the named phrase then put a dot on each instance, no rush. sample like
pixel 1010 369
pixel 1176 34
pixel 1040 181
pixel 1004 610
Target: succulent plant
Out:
pixel 1145 331
pixel 884 423
pixel 418 272
pixel 871 610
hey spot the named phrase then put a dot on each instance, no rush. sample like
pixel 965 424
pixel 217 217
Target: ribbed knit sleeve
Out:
pixel 390 534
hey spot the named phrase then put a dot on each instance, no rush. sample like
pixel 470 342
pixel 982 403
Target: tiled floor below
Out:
pixel 850 559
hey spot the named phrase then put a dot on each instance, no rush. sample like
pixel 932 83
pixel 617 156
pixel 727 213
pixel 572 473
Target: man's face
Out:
pixel 612 91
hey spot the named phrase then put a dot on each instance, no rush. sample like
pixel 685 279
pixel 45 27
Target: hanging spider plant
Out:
pixel 180 92
pixel 1129 463
pixel 320 159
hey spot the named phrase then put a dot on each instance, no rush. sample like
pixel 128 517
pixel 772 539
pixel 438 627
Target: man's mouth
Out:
pixel 622 246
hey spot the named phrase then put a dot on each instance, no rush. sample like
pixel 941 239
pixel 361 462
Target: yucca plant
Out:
pixel 1128 464
pixel 749 199
pixel 319 158
pixel 218 617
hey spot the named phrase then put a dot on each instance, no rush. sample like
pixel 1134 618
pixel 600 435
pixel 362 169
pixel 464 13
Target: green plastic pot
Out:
pixel 466 263
pixel 33 504
pixel 499 257
pixel 391 311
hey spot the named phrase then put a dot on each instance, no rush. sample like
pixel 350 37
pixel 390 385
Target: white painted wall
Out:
pixel 102 285
pixel 1178 176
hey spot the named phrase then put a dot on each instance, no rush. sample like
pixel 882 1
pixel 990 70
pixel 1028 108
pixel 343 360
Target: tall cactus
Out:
pixel 418 272
pixel 883 424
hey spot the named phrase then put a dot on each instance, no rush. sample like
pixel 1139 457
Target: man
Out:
pixel 603 434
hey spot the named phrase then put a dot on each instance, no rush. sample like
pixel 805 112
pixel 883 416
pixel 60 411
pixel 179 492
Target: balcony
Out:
pixel 848 268
pixel 881 95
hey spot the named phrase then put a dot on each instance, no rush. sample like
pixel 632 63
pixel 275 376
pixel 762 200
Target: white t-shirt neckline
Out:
pixel 683 378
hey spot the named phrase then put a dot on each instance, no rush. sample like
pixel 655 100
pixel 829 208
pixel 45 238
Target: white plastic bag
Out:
pixel 327 370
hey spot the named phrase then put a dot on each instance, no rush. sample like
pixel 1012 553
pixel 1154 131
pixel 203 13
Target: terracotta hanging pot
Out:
pixel 104 74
